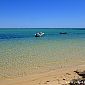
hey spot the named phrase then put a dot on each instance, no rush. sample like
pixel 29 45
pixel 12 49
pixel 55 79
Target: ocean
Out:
pixel 22 54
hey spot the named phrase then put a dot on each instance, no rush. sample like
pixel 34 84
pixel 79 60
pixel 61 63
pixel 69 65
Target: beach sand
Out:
pixel 61 76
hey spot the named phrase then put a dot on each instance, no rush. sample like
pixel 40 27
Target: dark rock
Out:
pixel 77 81
pixel 63 79
pixel 81 73
pixel 47 81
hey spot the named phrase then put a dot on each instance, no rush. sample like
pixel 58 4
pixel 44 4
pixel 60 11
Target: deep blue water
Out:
pixel 50 33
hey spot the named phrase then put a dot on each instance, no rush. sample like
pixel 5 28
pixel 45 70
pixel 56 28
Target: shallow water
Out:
pixel 22 54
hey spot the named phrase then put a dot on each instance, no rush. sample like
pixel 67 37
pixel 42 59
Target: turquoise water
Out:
pixel 22 54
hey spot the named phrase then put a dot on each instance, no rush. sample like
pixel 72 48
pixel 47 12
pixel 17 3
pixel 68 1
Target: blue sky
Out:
pixel 42 13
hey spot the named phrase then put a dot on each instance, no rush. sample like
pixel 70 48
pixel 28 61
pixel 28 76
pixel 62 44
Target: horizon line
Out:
pixel 41 27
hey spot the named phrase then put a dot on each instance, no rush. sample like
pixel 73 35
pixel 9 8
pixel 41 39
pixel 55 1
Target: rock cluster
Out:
pixel 79 81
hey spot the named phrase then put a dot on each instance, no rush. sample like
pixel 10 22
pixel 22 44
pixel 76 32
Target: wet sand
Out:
pixel 61 76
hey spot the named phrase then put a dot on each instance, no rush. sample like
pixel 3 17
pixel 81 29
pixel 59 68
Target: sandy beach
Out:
pixel 61 76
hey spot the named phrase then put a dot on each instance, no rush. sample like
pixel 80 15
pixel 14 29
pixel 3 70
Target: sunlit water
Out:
pixel 22 54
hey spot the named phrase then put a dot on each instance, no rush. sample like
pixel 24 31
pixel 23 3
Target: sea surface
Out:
pixel 21 53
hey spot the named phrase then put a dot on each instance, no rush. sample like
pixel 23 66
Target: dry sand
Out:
pixel 60 76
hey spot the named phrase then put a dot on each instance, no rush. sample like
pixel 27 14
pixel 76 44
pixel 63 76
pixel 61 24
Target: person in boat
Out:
pixel 39 34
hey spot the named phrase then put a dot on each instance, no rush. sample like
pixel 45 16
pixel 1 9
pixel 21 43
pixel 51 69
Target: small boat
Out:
pixel 39 34
pixel 63 32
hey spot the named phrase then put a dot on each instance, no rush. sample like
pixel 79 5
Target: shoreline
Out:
pixel 55 77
